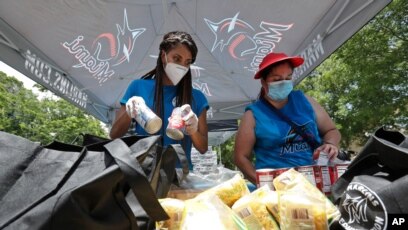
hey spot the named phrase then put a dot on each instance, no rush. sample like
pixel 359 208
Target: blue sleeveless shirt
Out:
pixel 145 89
pixel 277 144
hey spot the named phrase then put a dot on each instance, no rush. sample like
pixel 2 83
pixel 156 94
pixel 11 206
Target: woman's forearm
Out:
pixel 200 141
pixel 246 167
pixel 121 124
pixel 333 137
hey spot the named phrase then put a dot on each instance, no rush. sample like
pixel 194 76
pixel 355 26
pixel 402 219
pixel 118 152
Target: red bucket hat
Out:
pixel 273 58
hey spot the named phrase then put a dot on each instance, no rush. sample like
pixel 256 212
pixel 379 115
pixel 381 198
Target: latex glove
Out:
pixel 190 119
pixel 133 106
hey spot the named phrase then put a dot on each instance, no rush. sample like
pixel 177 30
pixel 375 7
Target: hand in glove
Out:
pixel 133 106
pixel 190 119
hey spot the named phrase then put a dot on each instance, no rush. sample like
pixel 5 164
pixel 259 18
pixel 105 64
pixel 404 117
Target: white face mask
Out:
pixel 175 72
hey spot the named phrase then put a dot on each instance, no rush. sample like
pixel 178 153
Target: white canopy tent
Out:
pixel 88 51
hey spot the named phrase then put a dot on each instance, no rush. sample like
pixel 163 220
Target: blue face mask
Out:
pixel 280 90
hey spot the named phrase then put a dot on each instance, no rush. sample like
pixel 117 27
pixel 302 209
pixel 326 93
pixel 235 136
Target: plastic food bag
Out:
pixel 229 191
pixel 302 211
pixel 194 180
pixel 294 181
pixel 209 212
pixel 272 204
pixel 252 209
pixel 174 208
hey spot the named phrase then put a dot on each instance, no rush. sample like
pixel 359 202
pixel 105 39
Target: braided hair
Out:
pixel 184 87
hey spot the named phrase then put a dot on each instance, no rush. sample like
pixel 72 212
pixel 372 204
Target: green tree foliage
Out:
pixel 23 114
pixel 227 151
pixel 364 84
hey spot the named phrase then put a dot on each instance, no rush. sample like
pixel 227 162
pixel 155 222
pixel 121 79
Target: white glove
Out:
pixel 133 106
pixel 190 119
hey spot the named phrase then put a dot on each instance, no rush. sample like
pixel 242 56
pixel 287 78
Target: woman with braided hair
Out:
pixel 165 87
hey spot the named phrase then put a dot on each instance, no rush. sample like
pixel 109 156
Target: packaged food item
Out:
pixel 209 212
pixel 183 193
pixel 339 169
pixel 264 177
pixel 252 210
pixel 176 126
pixel 229 191
pixel 294 181
pixel 272 204
pixel 323 159
pixel 146 118
pixel 174 208
pixel 313 174
pixel 302 211
pixel 326 179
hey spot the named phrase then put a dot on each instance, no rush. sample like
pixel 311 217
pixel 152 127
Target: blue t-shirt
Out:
pixel 145 89
pixel 277 143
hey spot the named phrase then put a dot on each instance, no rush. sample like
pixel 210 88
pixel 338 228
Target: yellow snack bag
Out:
pixel 252 210
pixel 229 191
pixel 174 208
pixel 209 212
pixel 294 181
pixel 272 204
pixel 302 211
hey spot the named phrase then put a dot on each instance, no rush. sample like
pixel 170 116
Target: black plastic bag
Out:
pixel 99 186
pixel 375 184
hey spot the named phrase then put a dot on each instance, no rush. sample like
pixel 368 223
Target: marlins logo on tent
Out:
pixel 243 41
pixel 109 50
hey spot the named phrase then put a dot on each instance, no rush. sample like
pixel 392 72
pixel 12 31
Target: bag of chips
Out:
pixel 299 210
pixel 252 209
pixel 272 204
pixel 209 212
pixel 229 191
pixel 293 181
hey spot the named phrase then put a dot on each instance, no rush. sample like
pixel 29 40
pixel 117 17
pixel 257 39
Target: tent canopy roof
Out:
pixel 88 52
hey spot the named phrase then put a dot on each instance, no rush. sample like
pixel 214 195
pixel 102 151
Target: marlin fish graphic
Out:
pixel 234 33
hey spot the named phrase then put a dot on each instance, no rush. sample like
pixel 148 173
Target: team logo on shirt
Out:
pixel 295 142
